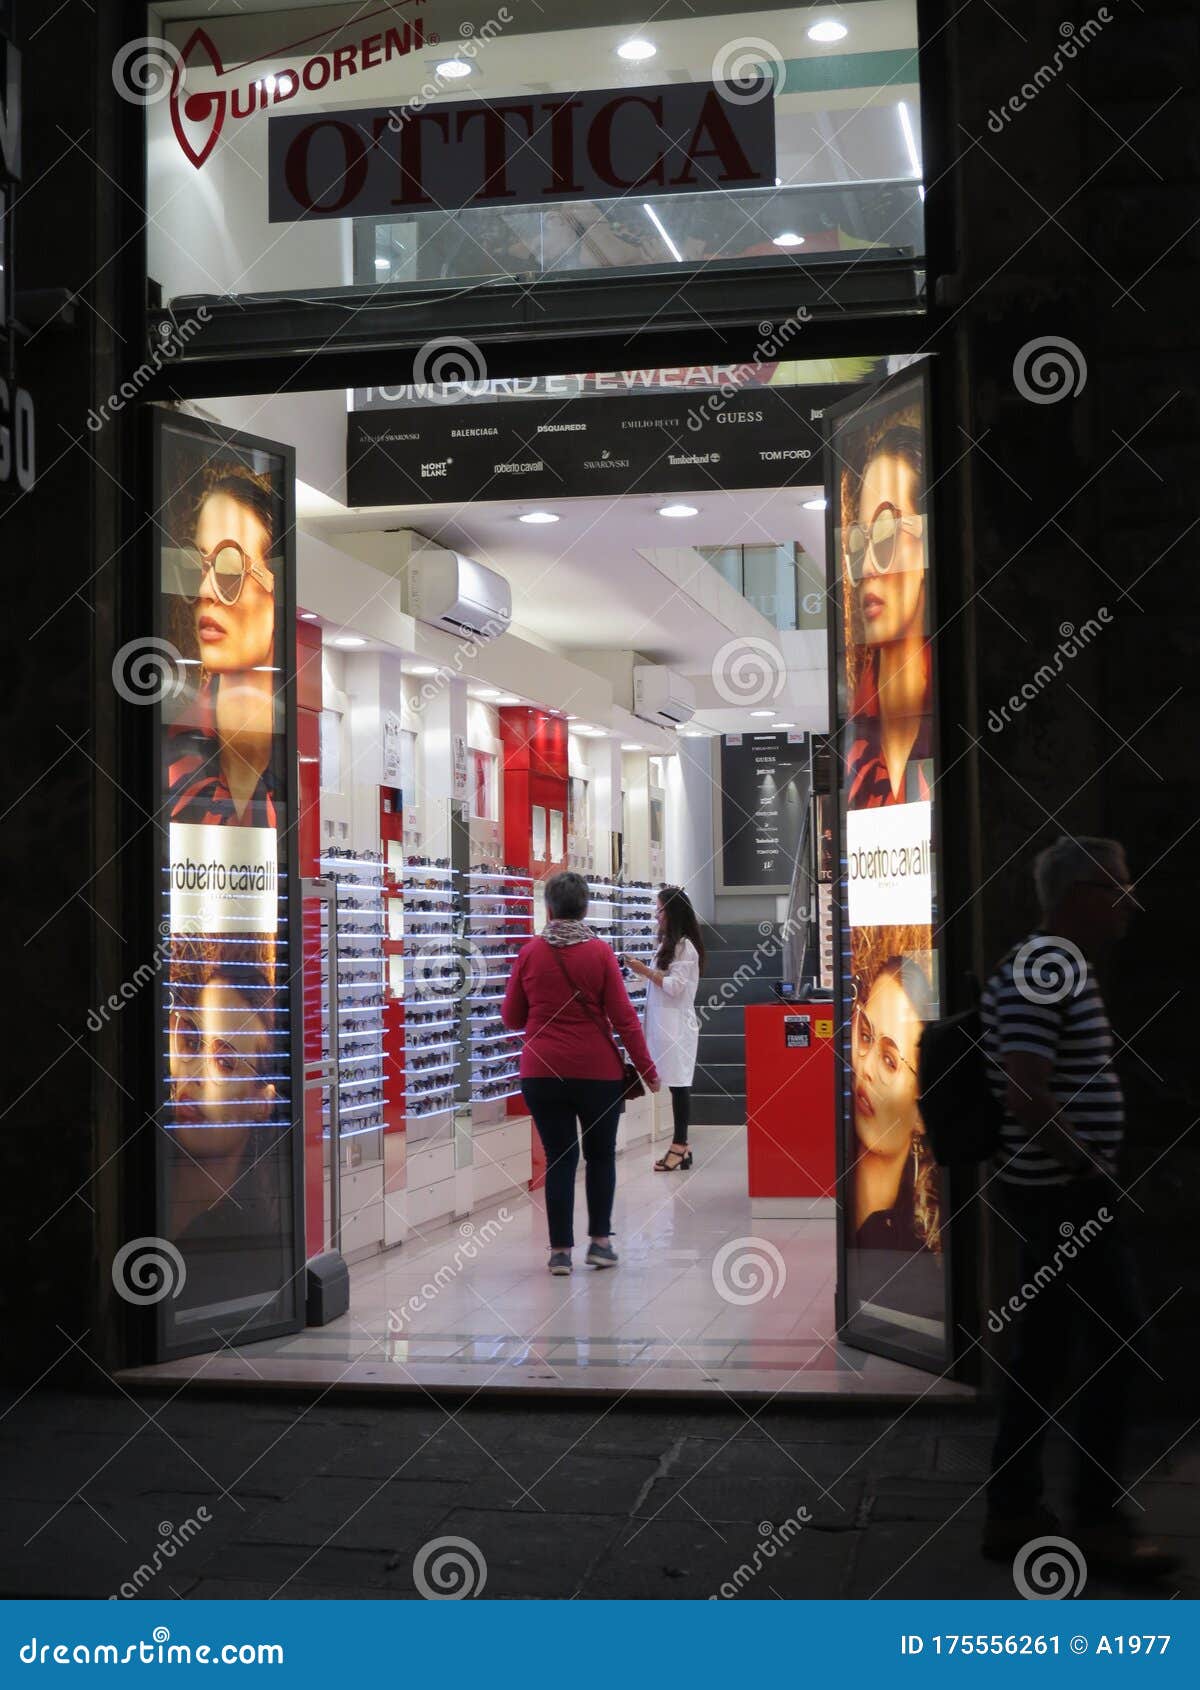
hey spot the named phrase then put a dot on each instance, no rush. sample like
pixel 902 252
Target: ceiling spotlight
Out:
pixel 506 698
pixel 691 733
pixel 308 616
pixel 625 746
pixel 423 669
pixel 455 69
pixel 785 724
pixel 383 263
pixel 489 692
pixel 636 49
pixel 762 712
pixel 678 510
pixel 349 640
pixel 829 29
pixel 789 237
pixel 538 516
pixel 818 504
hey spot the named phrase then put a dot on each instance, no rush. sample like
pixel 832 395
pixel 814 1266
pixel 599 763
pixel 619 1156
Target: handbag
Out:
pixel 631 1080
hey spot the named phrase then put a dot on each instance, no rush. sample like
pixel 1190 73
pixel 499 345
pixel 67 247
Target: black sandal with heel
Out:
pixel 681 1164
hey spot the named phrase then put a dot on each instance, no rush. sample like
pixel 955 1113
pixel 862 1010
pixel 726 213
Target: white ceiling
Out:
pixel 583 582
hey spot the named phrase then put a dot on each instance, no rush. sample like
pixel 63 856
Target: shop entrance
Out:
pixel 492 687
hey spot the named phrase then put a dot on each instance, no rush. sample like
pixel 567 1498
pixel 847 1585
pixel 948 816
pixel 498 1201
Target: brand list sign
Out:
pixel 764 788
pixel 681 138
pixel 658 443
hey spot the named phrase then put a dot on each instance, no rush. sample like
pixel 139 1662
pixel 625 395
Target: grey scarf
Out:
pixel 561 933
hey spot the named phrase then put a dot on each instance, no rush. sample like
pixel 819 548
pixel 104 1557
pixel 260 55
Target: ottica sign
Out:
pixel 676 139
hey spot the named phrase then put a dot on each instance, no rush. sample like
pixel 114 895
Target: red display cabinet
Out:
pixel 790 1109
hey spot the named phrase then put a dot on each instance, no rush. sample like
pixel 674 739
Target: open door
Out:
pixel 894 1274
pixel 229 1147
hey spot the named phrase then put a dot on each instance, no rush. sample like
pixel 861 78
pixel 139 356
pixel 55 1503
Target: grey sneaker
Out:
pixel 602 1256
pixel 560 1262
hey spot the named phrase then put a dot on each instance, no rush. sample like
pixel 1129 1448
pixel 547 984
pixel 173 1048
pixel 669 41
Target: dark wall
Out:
pixel 1078 220
pixel 68 576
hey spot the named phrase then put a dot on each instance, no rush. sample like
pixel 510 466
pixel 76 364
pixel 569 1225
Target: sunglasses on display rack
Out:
pixel 343 854
pixel 427 862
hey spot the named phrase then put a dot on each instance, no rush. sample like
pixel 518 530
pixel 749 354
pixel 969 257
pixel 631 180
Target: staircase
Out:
pixel 742 962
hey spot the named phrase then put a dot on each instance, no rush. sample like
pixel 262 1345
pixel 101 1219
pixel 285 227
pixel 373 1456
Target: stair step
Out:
pixel 720 1077
pixel 708 1111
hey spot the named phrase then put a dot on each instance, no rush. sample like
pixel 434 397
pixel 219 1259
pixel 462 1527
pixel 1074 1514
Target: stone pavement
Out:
pixel 271 1496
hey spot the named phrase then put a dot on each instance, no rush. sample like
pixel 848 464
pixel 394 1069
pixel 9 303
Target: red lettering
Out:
pixel 343 60
pixel 309 74
pixel 251 96
pixel 562 146
pixel 351 179
pixel 371 50
pixel 293 88
pixel 494 185
pixel 412 187
pixel 401 40
pixel 600 142
pixel 735 166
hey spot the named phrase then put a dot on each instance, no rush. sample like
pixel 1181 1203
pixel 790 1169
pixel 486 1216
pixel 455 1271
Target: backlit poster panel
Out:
pixel 892 1271
pixel 228 1156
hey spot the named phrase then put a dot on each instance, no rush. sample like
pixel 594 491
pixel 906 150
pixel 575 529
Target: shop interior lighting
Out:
pixel 424 669
pixel 538 516
pixel 506 698
pixel 308 616
pixel 349 640
pixel 827 31
pixel 489 692
pixel 789 237
pixel 627 746
pixel 678 510
pixel 637 49
pixel 785 724
pixel 453 69
pixel 658 224
pixel 910 140
pixel 818 504
pixel 762 712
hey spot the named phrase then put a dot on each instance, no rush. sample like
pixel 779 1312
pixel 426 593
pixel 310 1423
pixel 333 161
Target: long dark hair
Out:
pixel 681 924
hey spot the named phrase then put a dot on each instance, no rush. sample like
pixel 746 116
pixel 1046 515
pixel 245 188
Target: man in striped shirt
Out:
pixel 1049 1046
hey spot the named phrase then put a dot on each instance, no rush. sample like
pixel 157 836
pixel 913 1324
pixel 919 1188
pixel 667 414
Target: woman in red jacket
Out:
pixel 566 991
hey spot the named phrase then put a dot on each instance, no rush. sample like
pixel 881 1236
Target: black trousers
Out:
pixel 561 1110
pixel 681 1109
pixel 1076 1292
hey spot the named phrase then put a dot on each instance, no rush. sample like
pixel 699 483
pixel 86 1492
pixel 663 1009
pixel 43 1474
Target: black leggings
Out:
pixel 681 1108
pixel 557 1106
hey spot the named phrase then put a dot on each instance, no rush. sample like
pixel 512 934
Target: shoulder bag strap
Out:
pixel 594 1011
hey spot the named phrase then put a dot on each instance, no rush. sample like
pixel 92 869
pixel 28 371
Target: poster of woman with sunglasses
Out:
pixel 881 572
pixel 228 1157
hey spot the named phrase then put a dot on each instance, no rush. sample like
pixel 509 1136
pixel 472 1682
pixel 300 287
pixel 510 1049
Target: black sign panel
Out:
pixel 680 138
pixel 764 788
pixel 656 443
pixel 797 1031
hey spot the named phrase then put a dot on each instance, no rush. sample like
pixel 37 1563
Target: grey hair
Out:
pixel 567 896
pixel 1068 861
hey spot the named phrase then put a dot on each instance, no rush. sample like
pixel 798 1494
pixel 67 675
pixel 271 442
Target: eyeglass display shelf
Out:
pixel 489 874
pixel 414 871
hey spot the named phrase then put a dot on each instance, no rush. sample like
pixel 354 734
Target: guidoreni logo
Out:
pixel 198 118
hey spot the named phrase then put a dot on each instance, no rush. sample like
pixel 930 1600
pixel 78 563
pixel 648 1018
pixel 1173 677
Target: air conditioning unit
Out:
pixel 456 593
pixel 662 696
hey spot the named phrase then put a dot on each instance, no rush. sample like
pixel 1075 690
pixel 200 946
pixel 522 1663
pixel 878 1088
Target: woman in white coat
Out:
pixel 672 1031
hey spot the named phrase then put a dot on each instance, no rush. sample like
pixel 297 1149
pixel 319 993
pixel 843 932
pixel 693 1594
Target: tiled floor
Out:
pixel 472 1307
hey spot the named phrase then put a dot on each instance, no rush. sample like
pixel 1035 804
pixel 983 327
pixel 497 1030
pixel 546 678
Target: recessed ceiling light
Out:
pixel 506 698
pixel 424 669
pixel 308 616
pixel 383 263
pixel 349 640
pixel 691 733
pixel 455 69
pixel 678 510
pixel 829 29
pixel 815 504
pixel 762 712
pixel 636 49
pixel 785 724
pixel 625 746
pixel 489 692
pixel 789 237
pixel 538 516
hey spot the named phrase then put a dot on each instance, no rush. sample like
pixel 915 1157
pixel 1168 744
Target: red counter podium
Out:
pixel 789 1109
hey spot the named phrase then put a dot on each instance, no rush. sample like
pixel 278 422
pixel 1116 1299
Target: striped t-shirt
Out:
pixel 1044 999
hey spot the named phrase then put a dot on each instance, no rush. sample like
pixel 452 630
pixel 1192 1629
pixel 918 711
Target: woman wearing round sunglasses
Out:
pixel 887 656
pixel 895 1176
pixel 221 767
